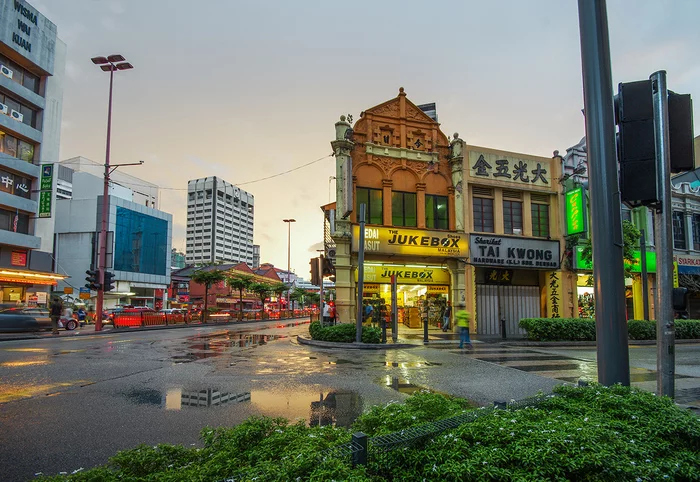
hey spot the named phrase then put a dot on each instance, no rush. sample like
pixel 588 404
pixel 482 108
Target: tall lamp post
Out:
pixel 108 64
pixel 289 257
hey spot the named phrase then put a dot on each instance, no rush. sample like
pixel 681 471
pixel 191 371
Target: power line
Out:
pixel 128 184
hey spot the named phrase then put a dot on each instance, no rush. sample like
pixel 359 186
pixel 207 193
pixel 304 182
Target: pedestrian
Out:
pixel 326 313
pixel 334 314
pixel 369 310
pixel 56 309
pixel 462 317
pixel 446 317
pixel 82 315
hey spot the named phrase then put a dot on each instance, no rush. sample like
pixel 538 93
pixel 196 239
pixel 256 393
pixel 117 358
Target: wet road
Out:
pixel 72 402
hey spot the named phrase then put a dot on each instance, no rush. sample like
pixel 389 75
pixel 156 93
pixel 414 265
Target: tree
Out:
pixel 263 290
pixel 278 289
pixel 207 278
pixel 299 295
pixel 630 242
pixel 240 282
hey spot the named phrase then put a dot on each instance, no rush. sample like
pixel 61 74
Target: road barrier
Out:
pixel 143 318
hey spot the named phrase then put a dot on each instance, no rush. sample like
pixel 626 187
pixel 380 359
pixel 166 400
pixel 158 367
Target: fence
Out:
pixel 142 318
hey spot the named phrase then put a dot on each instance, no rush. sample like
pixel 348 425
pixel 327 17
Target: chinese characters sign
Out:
pixel 499 276
pixel 46 194
pixel 14 184
pixel 484 165
pixel 554 294
pixel 19 258
pixel 575 211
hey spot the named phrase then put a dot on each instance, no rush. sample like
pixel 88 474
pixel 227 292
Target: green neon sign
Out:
pixel 575 211
pixel 580 263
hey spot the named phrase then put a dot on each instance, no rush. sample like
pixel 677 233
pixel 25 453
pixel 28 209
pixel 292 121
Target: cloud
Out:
pixel 316 246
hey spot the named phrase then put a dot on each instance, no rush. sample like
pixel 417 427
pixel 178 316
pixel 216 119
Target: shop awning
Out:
pixel 25 276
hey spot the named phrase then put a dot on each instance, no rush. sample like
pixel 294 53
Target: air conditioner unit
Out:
pixel 3 109
pixel 16 115
pixel 6 72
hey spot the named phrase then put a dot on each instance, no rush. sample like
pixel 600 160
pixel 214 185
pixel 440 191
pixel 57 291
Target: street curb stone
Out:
pixel 356 346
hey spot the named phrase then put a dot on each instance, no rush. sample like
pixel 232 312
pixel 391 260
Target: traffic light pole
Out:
pixel 606 224
pixel 360 274
pixel 665 327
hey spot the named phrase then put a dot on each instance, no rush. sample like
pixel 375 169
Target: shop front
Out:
pixel 515 278
pixel 426 267
pixel 26 286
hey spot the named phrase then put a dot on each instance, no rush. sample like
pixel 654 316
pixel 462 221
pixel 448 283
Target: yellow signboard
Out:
pixel 413 242
pixel 371 288
pixel 441 290
pixel 405 275
pixel 554 294
pixel 84 296
pixel 675 274
pixel 67 290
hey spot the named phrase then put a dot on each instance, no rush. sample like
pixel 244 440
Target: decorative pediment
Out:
pixel 389 109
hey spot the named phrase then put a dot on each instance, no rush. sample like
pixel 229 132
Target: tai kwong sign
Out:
pixel 487 250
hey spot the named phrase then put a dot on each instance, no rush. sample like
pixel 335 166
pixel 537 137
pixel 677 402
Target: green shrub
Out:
pixel 583 329
pixel 593 433
pixel 343 333
pixel 559 329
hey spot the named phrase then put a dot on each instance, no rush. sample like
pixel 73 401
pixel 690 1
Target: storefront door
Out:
pixel 515 302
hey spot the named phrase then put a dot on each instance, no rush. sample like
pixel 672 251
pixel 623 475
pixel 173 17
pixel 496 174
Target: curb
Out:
pixel 78 333
pixel 584 343
pixel 356 346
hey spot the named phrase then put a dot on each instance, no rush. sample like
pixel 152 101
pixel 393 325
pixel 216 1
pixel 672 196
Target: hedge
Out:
pixel 344 333
pixel 583 329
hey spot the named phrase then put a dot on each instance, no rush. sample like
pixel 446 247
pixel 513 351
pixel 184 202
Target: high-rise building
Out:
pixel 32 64
pixel 219 222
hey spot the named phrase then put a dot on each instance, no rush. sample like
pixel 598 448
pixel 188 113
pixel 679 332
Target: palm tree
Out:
pixel 207 278
pixel 263 290
pixel 240 282
pixel 279 289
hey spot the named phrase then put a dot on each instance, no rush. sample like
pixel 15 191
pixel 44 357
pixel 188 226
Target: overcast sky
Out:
pixel 246 89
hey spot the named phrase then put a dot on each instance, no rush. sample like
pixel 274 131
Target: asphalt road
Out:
pixel 74 401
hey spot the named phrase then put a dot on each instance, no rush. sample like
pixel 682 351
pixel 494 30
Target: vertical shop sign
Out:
pixel 46 188
pixel 554 293
pixel 575 211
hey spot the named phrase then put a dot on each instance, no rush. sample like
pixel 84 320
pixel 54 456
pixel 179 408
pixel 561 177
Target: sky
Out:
pixel 247 89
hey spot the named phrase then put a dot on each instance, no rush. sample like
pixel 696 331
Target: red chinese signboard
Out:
pixel 19 258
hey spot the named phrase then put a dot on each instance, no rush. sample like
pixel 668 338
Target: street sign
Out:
pixel 46 177
pixel 67 290
pixel 84 293
pixel 45 204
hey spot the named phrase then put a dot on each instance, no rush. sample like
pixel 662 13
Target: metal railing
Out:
pixel 134 319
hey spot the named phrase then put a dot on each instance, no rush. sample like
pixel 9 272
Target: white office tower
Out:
pixel 219 222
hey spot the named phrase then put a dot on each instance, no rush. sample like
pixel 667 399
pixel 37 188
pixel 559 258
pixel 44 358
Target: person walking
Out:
pixel 462 317
pixel 446 315
pixel 56 310
pixel 82 315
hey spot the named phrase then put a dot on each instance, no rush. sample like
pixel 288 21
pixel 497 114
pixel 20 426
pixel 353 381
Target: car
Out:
pixel 173 311
pixel 25 318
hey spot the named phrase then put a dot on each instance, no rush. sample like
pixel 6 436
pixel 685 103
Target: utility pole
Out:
pixel 360 274
pixel 665 327
pixel 606 223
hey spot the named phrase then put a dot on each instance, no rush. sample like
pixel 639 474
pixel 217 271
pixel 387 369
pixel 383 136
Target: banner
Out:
pixel 405 275
pixel 414 242
pixel 514 252
pixel 553 281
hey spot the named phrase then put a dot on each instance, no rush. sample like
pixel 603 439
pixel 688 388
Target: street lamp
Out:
pixel 289 266
pixel 108 64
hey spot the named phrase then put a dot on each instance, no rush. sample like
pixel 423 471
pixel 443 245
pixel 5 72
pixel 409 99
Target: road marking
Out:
pixel 9 393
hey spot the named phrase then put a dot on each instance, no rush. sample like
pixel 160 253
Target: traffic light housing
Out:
pixel 680 132
pixel 109 281
pixel 315 265
pixel 328 267
pixel 680 298
pixel 93 279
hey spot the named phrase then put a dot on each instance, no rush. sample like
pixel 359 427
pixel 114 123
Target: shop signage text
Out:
pixel 405 275
pixel 514 252
pixel 687 264
pixel 580 263
pixel 413 242
pixel 553 294
pixel 19 258
pixel 499 276
pixel 504 168
pixel 23 27
pixel 575 211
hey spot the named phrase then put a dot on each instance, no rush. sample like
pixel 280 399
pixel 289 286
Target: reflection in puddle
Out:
pixel 25 363
pixel 402 385
pixel 333 407
pixel 418 364
pixel 207 347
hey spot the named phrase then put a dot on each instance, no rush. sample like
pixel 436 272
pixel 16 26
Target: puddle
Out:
pixel 343 362
pixel 419 364
pixel 328 407
pixel 402 385
pixel 199 348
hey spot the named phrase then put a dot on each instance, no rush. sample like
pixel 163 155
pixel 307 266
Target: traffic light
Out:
pixel 315 264
pixel 636 141
pixel 328 267
pixel 680 298
pixel 109 281
pixel 93 279
pixel 636 148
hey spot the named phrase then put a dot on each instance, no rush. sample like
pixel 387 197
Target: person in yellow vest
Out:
pixel 462 317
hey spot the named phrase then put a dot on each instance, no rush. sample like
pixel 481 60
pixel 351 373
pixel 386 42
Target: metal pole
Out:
pixel 289 257
pixel 665 328
pixel 645 276
pixel 425 322
pixel 360 273
pixel 606 223
pixel 394 310
pixel 102 257
pixel 320 292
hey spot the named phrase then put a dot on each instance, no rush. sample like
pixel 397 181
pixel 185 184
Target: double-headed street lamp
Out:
pixel 289 265
pixel 108 64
